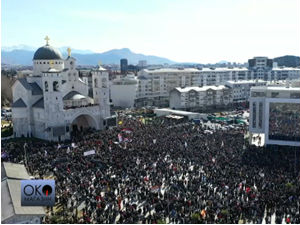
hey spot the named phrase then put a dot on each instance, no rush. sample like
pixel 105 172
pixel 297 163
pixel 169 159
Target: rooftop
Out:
pixel 285 68
pixel 39 103
pixel 47 52
pixel 11 176
pixel 275 88
pixel 19 104
pixel 245 81
pixel 11 198
pixel 189 70
pixel 14 170
pixel 204 88
pixel 74 95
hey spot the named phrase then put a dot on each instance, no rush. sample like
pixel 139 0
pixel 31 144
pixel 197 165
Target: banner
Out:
pixel 73 145
pixel 127 140
pixel 91 152
pixel 127 130
pixel 155 189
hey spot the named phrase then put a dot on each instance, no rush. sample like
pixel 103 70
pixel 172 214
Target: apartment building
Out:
pixel 155 85
pixel 197 98
pixel 240 90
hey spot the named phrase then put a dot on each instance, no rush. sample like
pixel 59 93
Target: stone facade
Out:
pixel 54 101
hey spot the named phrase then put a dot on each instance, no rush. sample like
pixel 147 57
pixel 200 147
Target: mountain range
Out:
pixel 288 61
pixel 22 55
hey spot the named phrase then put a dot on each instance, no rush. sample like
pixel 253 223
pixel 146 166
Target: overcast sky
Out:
pixel 201 31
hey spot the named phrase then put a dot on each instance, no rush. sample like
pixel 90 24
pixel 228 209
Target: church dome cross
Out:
pixel 47 40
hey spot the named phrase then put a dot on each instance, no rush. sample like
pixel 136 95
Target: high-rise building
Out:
pixel 142 64
pixel 124 66
pixel 260 67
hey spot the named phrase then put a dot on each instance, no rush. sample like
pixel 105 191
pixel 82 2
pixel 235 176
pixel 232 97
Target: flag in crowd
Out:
pixel 127 130
pixel 120 138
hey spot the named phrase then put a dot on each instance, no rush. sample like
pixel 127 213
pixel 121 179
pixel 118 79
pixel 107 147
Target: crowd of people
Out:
pixel 166 173
pixel 284 122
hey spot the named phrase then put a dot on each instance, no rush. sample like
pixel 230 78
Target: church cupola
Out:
pixel 43 56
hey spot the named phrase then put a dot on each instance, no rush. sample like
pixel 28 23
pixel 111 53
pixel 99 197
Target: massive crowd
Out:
pixel 162 172
pixel 284 122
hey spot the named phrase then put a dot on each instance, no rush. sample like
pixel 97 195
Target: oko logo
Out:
pixel 37 192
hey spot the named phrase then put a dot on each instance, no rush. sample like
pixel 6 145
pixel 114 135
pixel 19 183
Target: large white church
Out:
pixel 54 102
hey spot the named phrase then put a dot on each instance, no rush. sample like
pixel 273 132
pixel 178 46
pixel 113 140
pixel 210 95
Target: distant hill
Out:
pixel 222 62
pixel 288 61
pixel 84 57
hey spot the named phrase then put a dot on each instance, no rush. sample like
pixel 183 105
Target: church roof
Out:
pixel 52 70
pixel 47 52
pixel 100 68
pixel 35 89
pixel 19 104
pixel 24 82
pixel 73 95
pixel 39 103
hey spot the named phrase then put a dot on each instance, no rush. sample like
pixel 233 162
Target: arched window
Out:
pixel 96 82
pixel 46 86
pixel 55 86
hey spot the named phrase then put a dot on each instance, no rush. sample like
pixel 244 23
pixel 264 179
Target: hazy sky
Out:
pixel 185 31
